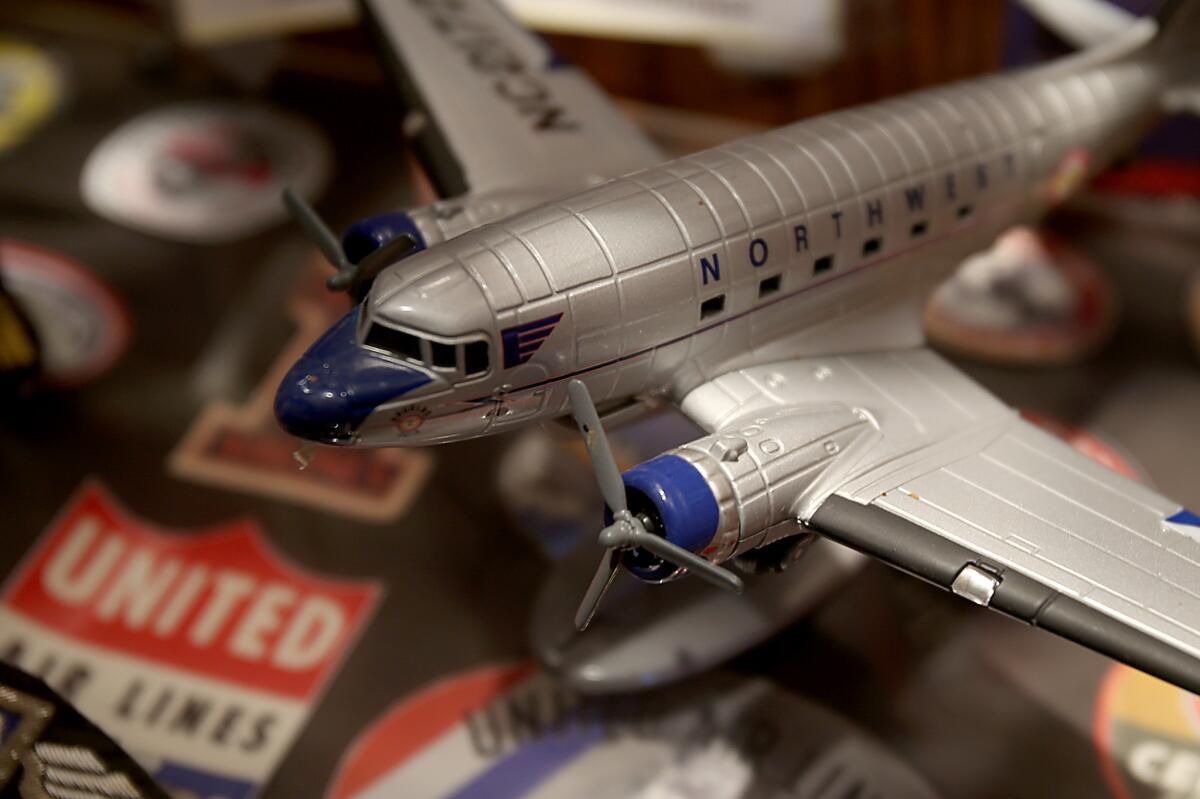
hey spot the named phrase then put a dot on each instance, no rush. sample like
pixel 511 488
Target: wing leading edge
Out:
pixel 955 488
pixel 497 109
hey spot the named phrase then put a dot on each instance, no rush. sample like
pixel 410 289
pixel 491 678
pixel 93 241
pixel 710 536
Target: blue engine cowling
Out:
pixel 368 235
pixel 677 499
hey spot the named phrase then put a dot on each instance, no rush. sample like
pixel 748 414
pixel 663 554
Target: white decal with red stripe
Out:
pixel 201 652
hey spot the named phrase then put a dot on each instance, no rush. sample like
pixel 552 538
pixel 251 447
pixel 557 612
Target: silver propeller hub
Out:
pixel 626 531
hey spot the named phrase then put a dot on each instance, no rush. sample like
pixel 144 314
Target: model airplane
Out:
pixel 772 288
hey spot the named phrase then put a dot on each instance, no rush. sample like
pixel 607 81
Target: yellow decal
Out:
pixel 31 88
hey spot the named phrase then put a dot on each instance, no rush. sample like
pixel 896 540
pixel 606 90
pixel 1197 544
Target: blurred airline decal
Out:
pixel 204 172
pixel 78 320
pixel 1147 734
pixel 240 447
pixel 506 732
pixel 32 87
pixel 203 654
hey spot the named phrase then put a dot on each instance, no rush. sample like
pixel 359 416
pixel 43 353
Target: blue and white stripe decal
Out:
pixel 524 770
pixel 522 341
pixel 1184 519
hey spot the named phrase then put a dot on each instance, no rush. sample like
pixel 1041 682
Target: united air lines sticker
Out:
pixel 1148 736
pixel 201 652
pixel 507 732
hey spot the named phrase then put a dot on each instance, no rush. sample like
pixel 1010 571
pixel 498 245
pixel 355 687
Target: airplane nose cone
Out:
pixel 334 386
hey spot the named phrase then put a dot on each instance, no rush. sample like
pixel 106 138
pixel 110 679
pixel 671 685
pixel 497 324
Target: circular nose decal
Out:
pixel 409 420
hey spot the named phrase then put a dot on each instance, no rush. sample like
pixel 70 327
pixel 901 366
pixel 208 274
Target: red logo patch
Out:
pixel 200 651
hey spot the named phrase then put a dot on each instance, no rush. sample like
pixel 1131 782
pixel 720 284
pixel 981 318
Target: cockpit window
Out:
pixel 468 358
pixel 394 342
pixel 445 356
pixel 476 357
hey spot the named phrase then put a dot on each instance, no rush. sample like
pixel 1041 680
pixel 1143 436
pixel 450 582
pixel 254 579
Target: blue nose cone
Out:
pixel 336 384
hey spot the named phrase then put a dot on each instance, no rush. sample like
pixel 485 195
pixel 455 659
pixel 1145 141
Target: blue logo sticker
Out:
pixel 522 341
pixel 1185 516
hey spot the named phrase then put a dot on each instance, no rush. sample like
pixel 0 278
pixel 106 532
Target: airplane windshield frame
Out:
pixel 463 357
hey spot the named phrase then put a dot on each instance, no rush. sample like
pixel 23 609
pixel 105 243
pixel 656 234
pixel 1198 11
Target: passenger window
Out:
pixel 712 306
pixel 769 285
pixel 918 230
pixel 965 211
pixel 445 356
pixel 475 357
pixel 872 246
pixel 394 342
pixel 823 264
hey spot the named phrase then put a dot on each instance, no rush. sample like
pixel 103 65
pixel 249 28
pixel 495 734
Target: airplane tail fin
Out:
pixel 1091 23
pixel 1081 23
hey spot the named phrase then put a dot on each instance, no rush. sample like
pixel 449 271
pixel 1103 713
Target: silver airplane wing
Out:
pixel 931 474
pixel 492 107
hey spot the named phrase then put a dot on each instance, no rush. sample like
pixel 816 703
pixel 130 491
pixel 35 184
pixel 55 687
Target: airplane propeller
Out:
pixel 351 277
pixel 627 531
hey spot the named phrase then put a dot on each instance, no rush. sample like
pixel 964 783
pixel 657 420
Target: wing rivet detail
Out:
pixel 975 584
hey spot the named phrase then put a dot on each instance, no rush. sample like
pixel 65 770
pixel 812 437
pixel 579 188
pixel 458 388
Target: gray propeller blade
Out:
pixel 354 278
pixel 316 229
pixel 626 530
pixel 612 487
pixel 605 572
pixel 362 273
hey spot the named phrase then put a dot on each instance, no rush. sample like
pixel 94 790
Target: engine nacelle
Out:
pixel 439 221
pixel 368 235
pixel 726 494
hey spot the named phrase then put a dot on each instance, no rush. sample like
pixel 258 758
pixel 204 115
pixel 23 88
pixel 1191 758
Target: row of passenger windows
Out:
pixel 473 355
pixel 714 306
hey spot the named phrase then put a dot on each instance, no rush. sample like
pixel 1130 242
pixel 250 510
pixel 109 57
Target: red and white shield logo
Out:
pixel 202 652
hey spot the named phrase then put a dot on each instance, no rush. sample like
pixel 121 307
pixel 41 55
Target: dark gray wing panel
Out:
pixel 914 549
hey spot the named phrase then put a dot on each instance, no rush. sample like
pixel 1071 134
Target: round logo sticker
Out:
pixel 1148 736
pixel 504 732
pixel 205 172
pixel 20 353
pixel 80 323
pixel 32 87
pixel 1029 300
pixel 409 420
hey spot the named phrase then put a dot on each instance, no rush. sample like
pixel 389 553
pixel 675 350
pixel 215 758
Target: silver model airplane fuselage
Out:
pixel 772 290
pixel 821 237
